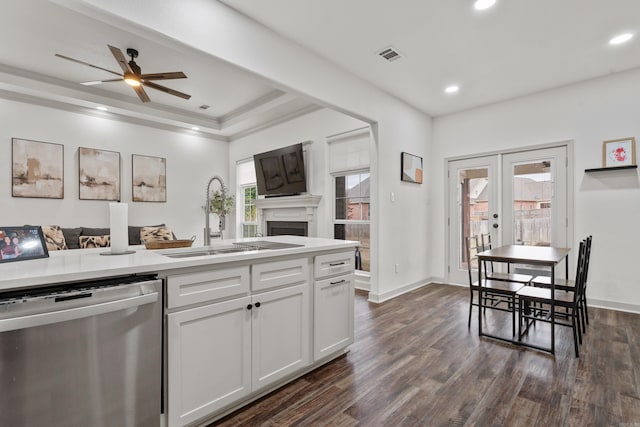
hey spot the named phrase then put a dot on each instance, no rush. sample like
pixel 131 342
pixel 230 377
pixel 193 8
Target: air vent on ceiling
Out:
pixel 390 54
pixel 204 107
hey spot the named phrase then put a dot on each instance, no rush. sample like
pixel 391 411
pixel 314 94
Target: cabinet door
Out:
pixel 209 359
pixel 333 315
pixel 280 333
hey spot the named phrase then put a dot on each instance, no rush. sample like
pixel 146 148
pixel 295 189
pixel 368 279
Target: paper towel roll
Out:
pixel 119 221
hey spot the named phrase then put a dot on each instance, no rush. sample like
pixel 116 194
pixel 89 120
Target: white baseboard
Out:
pixel 596 303
pixel 363 281
pixel 613 305
pixel 380 298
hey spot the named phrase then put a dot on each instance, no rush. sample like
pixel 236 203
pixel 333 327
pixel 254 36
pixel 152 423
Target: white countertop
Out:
pixel 88 264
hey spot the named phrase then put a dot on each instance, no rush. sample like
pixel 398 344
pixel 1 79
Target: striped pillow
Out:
pixel 54 238
pixel 95 241
pixel 151 234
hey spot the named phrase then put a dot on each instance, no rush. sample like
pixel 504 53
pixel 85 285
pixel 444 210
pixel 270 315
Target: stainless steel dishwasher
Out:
pixel 82 354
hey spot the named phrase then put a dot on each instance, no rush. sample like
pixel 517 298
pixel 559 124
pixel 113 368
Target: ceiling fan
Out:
pixel 132 75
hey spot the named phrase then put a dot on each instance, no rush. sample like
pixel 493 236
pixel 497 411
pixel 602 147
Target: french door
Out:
pixel 517 198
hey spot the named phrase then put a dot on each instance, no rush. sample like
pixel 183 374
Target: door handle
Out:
pixel 495 225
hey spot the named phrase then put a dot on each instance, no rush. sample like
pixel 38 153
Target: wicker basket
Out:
pixel 168 244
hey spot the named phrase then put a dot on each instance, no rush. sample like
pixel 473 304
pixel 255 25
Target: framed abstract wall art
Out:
pixel 411 168
pixel 149 178
pixel 619 152
pixel 99 174
pixel 37 169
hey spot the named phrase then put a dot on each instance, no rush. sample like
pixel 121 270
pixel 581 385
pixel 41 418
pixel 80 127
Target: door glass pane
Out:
pixel 473 207
pixel 532 194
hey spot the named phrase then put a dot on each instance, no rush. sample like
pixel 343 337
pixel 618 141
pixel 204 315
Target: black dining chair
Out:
pixel 485 240
pixel 567 303
pixel 569 285
pixel 498 294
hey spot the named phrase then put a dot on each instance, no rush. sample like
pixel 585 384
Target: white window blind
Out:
pixel 349 150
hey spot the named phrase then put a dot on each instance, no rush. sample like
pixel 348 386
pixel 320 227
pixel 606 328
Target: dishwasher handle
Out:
pixel 22 322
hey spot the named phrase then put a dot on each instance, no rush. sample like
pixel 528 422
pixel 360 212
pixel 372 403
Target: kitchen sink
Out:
pixel 257 245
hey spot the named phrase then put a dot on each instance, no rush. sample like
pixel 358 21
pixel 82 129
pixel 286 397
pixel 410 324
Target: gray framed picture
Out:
pixel 99 174
pixel 37 169
pixel 149 178
pixel 411 168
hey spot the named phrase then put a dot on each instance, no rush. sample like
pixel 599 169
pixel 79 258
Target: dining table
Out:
pixel 541 256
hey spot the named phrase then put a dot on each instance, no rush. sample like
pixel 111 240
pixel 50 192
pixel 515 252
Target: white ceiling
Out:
pixel 33 31
pixel 518 47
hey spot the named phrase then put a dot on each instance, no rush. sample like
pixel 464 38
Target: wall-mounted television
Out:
pixel 281 172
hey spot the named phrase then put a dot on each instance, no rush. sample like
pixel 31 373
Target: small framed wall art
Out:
pixel 99 174
pixel 619 152
pixel 411 168
pixel 149 178
pixel 37 169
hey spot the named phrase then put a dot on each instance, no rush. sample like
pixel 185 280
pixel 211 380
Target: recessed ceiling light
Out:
pixel 621 38
pixel 195 128
pixel 102 108
pixel 452 89
pixel 483 4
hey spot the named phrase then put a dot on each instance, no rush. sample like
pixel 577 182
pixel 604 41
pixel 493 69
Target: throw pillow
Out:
pixel 72 237
pixel 54 237
pixel 150 234
pixel 95 241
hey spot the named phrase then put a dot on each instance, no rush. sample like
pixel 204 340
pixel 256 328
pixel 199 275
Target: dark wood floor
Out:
pixel 415 363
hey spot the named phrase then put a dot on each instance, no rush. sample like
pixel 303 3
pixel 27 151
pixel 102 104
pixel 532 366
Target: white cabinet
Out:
pixel 221 352
pixel 333 318
pixel 280 334
pixel 333 315
pixel 209 359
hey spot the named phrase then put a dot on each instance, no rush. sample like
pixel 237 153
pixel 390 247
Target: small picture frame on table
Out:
pixel 22 243
pixel 619 152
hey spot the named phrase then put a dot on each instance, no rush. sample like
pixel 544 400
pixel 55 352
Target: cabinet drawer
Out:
pixel 332 264
pixel 201 286
pixel 280 273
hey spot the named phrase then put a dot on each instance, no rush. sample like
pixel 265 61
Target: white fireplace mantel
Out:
pixel 302 208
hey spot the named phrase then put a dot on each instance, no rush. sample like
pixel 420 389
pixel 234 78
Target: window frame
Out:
pixel 344 173
pixel 243 188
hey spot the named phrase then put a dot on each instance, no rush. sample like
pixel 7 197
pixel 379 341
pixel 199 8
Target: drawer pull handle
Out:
pixel 333 264
pixel 338 282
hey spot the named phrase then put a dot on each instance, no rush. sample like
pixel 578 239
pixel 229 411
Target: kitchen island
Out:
pixel 241 317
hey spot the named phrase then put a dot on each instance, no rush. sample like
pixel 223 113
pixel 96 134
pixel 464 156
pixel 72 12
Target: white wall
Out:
pixel 400 230
pixel 606 204
pixel 315 127
pixel 191 160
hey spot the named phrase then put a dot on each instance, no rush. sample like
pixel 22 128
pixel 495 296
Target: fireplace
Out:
pixel 293 228
pixel 296 215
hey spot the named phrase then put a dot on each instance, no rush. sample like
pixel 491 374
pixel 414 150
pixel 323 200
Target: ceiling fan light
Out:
pixel 132 80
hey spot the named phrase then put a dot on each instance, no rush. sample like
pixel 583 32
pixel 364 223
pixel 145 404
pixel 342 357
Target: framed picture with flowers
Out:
pixel 619 152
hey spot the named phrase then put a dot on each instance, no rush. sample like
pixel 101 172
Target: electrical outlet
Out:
pixel 393 196
pixel 397 268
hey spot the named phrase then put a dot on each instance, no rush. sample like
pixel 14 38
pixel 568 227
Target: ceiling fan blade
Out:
pixel 164 76
pixel 86 63
pixel 97 82
pixel 166 89
pixel 141 94
pixel 122 61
